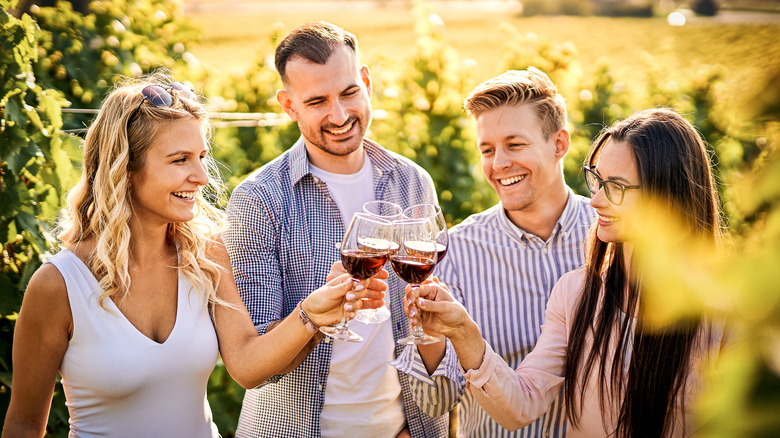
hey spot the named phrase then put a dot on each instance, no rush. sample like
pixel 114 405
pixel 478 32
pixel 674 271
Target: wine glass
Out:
pixel 364 251
pixel 385 209
pixel 413 263
pixel 432 211
pixel 388 211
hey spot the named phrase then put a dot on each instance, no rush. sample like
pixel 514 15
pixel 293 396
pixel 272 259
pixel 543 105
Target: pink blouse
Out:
pixel 515 398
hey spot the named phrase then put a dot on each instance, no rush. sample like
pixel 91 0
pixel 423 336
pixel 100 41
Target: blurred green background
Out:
pixel 719 64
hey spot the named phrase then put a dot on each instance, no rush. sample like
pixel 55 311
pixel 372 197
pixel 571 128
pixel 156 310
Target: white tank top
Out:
pixel 120 383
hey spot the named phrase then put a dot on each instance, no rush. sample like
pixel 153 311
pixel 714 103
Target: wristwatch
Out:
pixel 310 326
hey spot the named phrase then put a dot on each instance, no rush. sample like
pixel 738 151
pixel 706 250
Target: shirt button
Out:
pixel 327 340
pixel 544 250
pixel 320 387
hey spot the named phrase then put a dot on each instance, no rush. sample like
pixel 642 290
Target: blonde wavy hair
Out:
pixel 99 205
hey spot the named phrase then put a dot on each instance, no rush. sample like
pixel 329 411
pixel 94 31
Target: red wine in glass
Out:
pixel 363 264
pixel 364 250
pixel 375 245
pixel 413 263
pixel 432 211
pixel 412 269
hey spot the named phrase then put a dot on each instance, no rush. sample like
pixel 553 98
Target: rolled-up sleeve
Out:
pixel 436 394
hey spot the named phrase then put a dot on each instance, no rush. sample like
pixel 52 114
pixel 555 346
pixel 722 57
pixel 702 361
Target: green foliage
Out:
pixel 241 150
pixel 423 119
pixel 523 50
pixel 84 55
pixel 738 286
pixel 35 167
pixel 225 397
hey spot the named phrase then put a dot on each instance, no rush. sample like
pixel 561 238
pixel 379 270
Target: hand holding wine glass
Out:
pixel 375 287
pixel 364 251
pixel 439 311
pixel 413 263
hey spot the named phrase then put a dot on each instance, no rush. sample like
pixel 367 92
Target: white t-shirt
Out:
pixel 363 393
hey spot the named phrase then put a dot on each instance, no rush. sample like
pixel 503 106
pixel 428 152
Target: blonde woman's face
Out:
pixel 163 190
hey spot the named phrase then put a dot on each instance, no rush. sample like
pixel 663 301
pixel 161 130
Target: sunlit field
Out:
pixel 745 47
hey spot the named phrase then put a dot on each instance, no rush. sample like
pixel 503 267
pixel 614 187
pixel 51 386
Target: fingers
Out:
pixel 371 304
pixel 363 298
pixel 440 283
pixel 382 275
pixel 433 291
pixel 433 306
pixel 339 280
pixel 336 270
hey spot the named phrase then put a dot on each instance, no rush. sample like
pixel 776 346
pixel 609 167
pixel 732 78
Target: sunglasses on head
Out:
pixel 161 97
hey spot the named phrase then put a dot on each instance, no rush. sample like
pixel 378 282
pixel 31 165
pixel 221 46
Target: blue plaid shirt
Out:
pixel 503 276
pixel 283 236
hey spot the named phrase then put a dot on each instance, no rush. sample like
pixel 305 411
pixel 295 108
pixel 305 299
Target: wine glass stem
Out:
pixel 417 329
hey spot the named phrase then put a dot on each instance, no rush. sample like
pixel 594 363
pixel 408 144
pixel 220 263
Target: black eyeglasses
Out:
pixel 161 96
pixel 613 189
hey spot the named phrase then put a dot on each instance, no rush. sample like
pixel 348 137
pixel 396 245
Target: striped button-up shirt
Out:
pixel 283 236
pixel 503 276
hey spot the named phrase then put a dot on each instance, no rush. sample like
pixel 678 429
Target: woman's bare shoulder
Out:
pixel 47 293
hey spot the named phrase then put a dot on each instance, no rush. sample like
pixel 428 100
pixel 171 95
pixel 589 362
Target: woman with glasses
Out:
pixel 618 378
pixel 136 308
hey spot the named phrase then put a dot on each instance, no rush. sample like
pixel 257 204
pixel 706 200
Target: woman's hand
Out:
pixel 324 305
pixel 440 313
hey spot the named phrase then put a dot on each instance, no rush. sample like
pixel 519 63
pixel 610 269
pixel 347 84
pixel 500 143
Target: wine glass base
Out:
pixel 341 334
pixel 423 339
pixel 373 316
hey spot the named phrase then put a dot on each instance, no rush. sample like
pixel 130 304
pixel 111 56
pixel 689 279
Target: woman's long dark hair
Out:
pixel 674 168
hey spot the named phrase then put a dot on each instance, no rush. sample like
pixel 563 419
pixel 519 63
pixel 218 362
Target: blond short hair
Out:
pixel 516 87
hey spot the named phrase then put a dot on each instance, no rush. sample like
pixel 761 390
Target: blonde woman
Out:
pixel 135 310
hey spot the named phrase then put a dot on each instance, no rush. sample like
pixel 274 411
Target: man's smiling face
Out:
pixel 519 162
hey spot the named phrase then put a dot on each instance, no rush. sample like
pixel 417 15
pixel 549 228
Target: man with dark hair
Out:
pixel 502 263
pixel 286 222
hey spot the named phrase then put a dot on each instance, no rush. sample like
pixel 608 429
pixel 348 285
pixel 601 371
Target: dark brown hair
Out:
pixel 674 168
pixel 314 42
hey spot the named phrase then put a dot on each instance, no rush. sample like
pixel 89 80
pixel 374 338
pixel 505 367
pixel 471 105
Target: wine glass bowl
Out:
pixel 415 260
pixel 364 251
pixel 432 212
pixel 384 209
pixel 388 211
